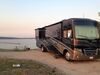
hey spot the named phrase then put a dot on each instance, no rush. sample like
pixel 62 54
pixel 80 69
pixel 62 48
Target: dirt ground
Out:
pixel 70 68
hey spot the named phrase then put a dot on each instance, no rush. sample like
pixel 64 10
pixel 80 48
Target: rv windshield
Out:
pixel 86 30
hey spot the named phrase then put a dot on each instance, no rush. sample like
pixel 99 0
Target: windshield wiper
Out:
pixel 84 36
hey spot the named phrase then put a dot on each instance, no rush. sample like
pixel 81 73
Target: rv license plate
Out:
pixel 91 57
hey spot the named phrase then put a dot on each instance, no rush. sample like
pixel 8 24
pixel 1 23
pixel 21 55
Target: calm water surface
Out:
pixel 17 43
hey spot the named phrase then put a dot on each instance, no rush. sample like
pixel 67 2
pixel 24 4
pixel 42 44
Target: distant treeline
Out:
pixel 14 38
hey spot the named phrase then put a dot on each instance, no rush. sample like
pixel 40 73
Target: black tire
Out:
pixel 43 49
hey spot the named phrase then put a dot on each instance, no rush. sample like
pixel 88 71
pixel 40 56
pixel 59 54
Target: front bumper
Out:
pixel 80 56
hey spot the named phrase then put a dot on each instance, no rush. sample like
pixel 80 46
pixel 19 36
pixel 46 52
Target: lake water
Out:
pixel 17 43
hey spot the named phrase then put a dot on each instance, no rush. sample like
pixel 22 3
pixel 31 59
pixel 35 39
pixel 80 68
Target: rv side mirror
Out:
pixel 69 33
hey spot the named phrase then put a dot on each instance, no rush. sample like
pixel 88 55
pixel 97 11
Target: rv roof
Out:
pixel 78 19
pixel 70 19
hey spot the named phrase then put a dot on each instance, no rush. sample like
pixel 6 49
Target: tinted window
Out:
pixel 84 22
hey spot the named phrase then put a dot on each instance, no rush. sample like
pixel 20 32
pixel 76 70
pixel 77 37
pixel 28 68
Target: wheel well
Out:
pixel 41 46
pixel 65 50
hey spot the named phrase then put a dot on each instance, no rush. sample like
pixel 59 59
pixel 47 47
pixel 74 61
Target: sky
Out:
pixel 20 18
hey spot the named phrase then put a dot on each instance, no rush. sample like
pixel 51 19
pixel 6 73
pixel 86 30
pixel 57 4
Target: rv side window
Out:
pixel 67 33
pixel 41 34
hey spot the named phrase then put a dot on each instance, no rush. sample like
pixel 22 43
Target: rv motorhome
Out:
pixel 75 38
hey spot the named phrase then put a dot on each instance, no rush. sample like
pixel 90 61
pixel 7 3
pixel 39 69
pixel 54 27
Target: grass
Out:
pixel 14 50
pixel 27 67
pixel 4 50
pixel 11 50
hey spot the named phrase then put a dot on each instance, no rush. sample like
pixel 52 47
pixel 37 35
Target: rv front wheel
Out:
pixel 67 56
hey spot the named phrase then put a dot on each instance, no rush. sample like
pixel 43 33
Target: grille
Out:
pixel 90 52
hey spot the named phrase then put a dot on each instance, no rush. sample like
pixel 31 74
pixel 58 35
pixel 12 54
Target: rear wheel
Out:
pixel 43 49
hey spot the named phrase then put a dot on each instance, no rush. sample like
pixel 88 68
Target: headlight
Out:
pixel 97 51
